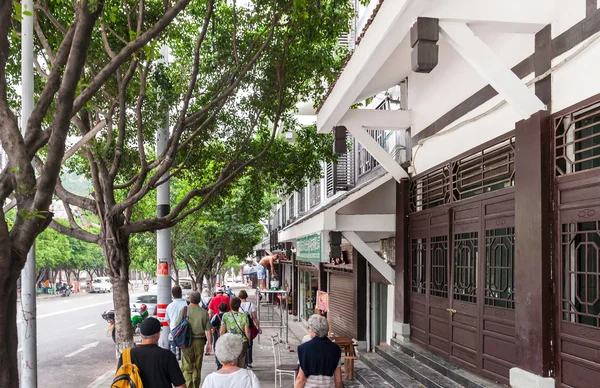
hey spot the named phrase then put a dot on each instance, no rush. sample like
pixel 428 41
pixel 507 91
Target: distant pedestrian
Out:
pixel 216 321
pixel 229 348
pixel 237 323
pixel 205 299
pixel 158 367
pixel 229 292
pixel 319 358
pixel 249 309
pixel 213 306
pixel 174 309
pixel 201 335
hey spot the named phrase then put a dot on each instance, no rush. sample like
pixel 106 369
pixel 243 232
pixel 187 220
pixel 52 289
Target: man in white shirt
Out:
pixel 173 311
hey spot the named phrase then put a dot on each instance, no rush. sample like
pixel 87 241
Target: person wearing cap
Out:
pixel 213 306
pixel 158 367
pixel 174 310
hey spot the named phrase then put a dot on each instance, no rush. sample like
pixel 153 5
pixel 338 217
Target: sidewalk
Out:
pixel 264 362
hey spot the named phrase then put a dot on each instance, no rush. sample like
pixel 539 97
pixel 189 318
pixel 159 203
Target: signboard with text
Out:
pixel 309 248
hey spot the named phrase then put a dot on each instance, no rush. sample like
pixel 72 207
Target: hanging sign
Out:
pixel 309 248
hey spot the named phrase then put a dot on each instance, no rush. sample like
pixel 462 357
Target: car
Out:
pixel 150 300
pixel 185 283
pixel 101 284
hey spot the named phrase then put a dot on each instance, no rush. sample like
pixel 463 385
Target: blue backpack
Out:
pixel 182 333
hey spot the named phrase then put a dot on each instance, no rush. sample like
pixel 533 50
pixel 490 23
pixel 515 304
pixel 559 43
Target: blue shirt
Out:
pixel 319 356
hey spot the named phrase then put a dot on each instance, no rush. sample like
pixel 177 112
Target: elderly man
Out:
pixel 201 335
pixel 173 311
pixel 261 272
pixel 319 358
pixel 158 367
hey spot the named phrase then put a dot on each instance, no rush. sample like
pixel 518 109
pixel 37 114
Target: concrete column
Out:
pixel 402 286
pixel 359 267
pixel 533 227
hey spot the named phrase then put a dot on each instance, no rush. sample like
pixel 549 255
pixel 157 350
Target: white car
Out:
pixel 102 284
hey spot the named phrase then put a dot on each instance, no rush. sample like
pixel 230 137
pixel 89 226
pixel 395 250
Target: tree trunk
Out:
pixel 9 274
pixel 116 251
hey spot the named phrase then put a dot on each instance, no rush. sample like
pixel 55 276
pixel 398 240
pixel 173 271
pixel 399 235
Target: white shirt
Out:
pixel 247 307
pixel 173 310
pixel 242 378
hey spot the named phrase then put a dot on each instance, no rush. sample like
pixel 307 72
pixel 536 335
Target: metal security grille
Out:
pixel 431 190
pixel 500 268
pixel 465 266
pixel 438 285
pixel 489 169
pixel 291 208
pixel 577 140
pixel 315 194
pixel 302 201
pixel 419 255
pixel 581 273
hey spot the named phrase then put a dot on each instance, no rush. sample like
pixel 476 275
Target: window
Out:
pixel 577 140
pixel 291 207
pixel 302 201
pixel 465 267
pixel 500 268
pixel 315 193
pixel 418 268
pixel 438 285
pixel 581 273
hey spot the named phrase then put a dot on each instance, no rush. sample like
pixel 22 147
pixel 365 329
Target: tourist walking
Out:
pixel 228 351
pixel 205 299
pixel 173 312
pixel 201 335
pixel 216 323
pixel 158 367
pixel 213 306
pixel 237 323
pixel 249 309
pixel 319 359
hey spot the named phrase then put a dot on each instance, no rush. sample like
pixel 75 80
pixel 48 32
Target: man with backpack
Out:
pixel 173 311
pixel 148 363
pixel 201 329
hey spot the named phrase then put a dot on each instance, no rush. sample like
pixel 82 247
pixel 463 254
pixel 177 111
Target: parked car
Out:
pixel 185 283
pixel 101 284
pixel 150 300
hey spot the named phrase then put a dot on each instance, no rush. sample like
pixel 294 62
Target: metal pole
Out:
pixel 28 278
pixel 163 237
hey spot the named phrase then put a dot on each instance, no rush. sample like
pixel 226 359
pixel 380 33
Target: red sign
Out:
pixel 162 269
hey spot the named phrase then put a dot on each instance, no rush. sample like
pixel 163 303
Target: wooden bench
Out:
pixel 349 367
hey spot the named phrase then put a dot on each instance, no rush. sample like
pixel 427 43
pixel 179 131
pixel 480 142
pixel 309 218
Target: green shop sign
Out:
pixel 309 248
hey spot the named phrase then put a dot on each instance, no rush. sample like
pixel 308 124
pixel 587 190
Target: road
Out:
pixel 73 346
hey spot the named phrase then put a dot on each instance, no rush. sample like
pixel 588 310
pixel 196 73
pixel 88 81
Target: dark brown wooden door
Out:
pixel 578 318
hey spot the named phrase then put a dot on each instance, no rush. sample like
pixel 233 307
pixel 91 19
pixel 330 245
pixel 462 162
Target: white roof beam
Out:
pixel 376 118
pixel 380 154
pixel 387 31
pixel 372 257
pixel 491 68
pixel 508 15
pixel 366 222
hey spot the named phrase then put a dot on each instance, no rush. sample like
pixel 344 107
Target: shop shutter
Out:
pixel 341 305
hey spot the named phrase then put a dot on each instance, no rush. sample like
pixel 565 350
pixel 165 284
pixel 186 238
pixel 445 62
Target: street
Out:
pixel 73 347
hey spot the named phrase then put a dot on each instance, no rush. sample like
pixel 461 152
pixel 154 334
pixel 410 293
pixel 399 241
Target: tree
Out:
pixel 236 75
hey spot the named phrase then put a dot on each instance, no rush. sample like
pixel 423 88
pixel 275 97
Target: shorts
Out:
pixel 261 272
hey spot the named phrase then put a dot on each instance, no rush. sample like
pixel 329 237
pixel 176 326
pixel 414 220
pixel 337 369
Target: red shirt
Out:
pixel 216 301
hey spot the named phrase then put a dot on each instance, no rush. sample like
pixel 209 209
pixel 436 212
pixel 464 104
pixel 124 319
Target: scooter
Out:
pixel 137 316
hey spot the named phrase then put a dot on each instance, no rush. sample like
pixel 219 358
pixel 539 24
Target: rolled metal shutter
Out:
pixel 341 305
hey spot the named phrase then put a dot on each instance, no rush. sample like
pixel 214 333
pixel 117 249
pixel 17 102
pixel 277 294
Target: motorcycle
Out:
pixel 137 316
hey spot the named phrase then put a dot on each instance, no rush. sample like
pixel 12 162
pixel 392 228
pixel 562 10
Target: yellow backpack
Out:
pixel 128 375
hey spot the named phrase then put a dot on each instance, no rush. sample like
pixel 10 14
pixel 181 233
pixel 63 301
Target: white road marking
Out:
pixel 100 379
pixel 87 327
pixel 69 310
pixel 83 348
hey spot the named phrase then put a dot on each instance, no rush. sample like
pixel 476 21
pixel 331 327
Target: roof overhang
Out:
pixel 382 59
pixel 327 219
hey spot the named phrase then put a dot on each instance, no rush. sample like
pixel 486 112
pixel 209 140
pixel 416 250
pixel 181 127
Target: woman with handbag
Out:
pixel 237 323
pixel 249 308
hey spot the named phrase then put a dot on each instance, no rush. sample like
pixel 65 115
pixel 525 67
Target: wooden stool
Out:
pixel 349 367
